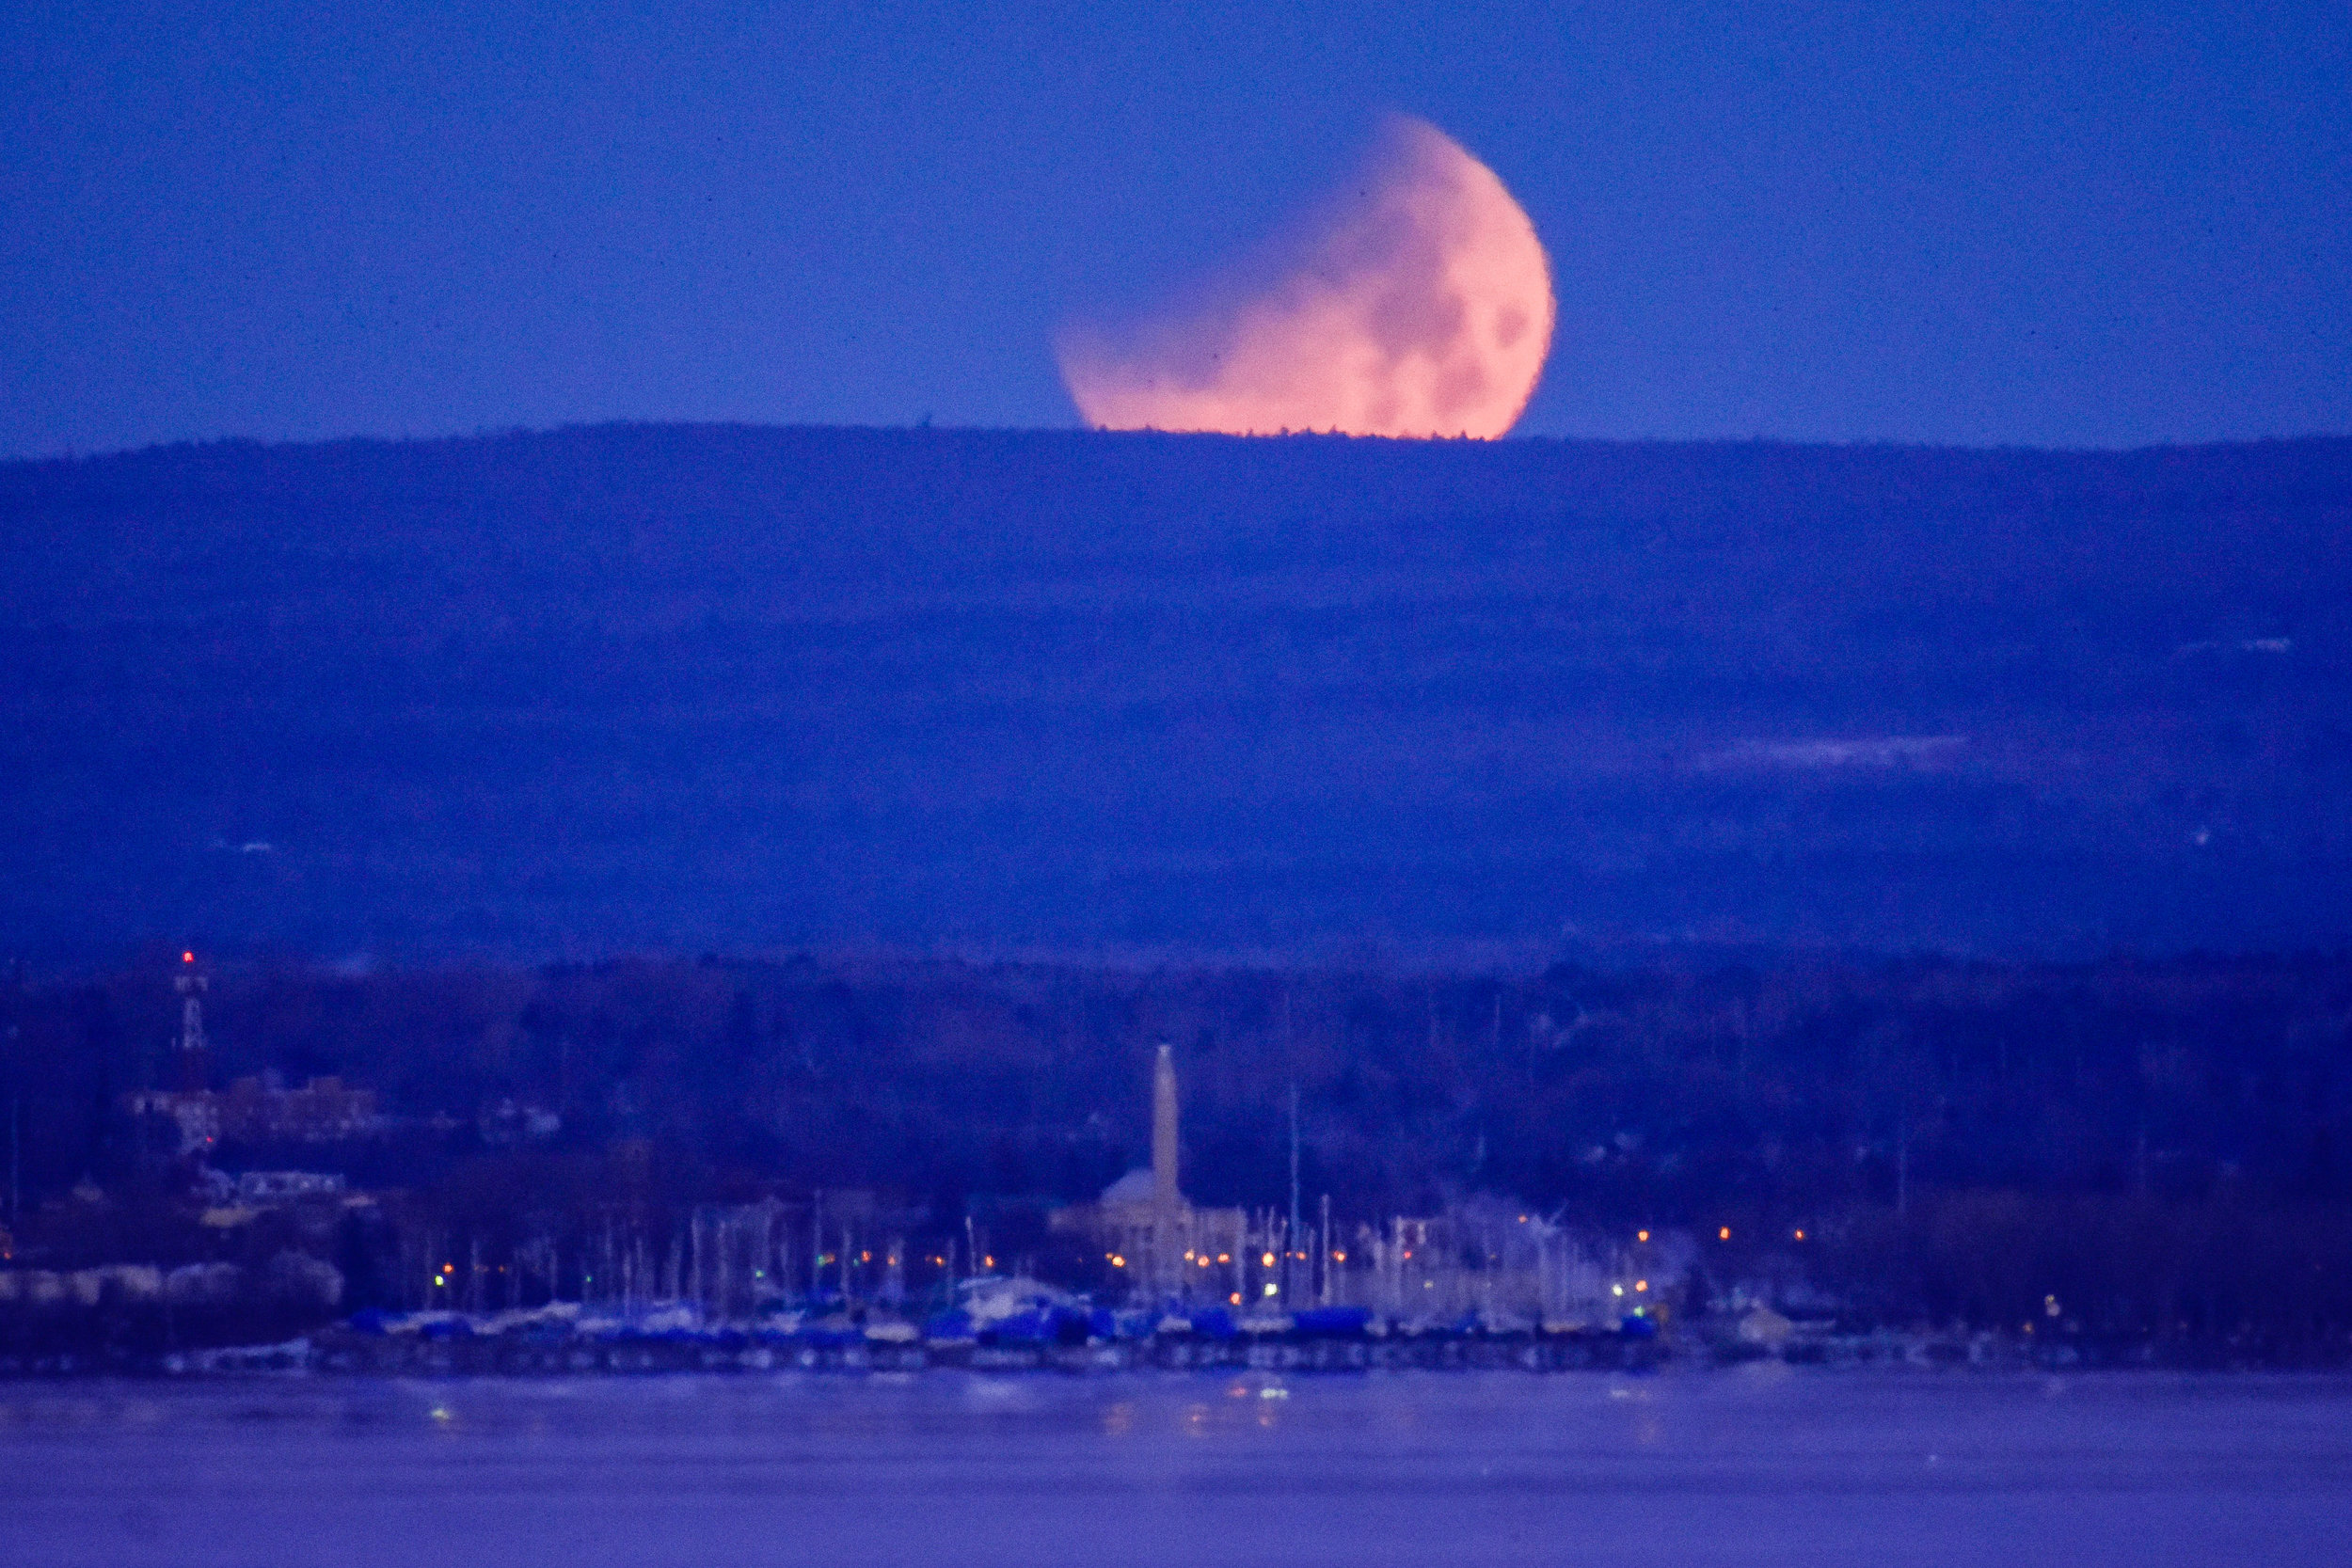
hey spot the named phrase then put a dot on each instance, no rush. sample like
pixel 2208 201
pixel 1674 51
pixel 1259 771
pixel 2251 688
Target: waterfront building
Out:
pixel 252 1110
pixel 1151 1234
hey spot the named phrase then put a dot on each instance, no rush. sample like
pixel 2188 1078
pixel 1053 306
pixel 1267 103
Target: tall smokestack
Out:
pixel 1163 1189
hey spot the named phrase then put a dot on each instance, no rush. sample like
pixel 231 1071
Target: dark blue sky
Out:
pixel 1973 223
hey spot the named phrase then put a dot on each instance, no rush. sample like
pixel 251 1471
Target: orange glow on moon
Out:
pixel 1419 305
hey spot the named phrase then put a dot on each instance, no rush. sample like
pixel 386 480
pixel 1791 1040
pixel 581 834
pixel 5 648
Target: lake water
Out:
pixel 1754 1468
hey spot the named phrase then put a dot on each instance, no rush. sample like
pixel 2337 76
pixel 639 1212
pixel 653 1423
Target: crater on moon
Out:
pixel 1418 303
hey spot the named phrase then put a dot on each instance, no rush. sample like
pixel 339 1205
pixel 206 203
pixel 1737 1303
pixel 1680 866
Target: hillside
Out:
pixel 697 688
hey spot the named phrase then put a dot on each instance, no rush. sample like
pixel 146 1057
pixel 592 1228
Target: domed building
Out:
pixel 1167 1248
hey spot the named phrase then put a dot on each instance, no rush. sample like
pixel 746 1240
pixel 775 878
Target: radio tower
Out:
pixel 191 1054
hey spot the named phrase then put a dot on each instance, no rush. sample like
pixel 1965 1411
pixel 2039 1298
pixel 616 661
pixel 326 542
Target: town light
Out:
pixel 1640 1235
pixel 1270 1289
pixel 1116 1261
pixel 1616 1289
pixel 1267 1260
pixel 1724 1234
pixel 1801 1235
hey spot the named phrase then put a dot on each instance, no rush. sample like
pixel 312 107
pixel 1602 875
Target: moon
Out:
pixel 1416 303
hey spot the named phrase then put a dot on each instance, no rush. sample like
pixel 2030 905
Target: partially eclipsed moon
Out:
pixel 1421 304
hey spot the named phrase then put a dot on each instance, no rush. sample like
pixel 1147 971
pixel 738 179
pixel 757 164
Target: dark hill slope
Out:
pixel 719 687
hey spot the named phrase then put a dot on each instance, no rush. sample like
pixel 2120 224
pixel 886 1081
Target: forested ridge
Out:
pixel 672 687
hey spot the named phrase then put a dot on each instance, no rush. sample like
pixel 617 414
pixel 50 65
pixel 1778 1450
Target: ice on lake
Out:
pixel 1756 1467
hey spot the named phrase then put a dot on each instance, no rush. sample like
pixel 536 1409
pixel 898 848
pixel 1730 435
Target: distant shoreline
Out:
pixel 341 1353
